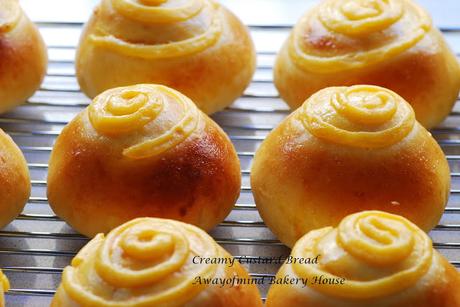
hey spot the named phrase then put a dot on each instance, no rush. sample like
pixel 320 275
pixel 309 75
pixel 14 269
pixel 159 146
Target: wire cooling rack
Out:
pixel 37 245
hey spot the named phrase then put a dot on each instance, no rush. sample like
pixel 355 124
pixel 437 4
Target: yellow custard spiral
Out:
pixel 381 28
pixel 360 17
pixel 145 262
pixel 150 12
pixel 377 254
pixel 359 116
pixel 10 13
pixel 128 110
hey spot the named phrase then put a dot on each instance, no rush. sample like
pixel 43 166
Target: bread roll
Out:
pixel 4 286
pixel 348 149
pixel 197 47
pixel 154 262
pixel 389 43
pixel 372 258
pixel 142 150
pixel 23 57
pixel 14 180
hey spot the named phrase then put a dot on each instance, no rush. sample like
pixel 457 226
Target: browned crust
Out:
pixel 314 184
pixel 213 78
pixel 23 62
pixel 427 76
pixel 14 180
pixel 94 188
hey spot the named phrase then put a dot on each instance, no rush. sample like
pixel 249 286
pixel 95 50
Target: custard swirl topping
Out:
pixel 144 262
pixel 127 110
pixel 148 12
pixel 10 13
pixel 360 116
pixel 360 17
pixel 372 30
pixel 377 253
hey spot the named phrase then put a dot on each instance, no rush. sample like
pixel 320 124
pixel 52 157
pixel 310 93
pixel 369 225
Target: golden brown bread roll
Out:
pixel 4 286
pixel 23 57
pixel 143 150
pixel 389 43
pixel 372 258
pixel 14 180
pixel 348 149
pixel 154 262
pixel 197 47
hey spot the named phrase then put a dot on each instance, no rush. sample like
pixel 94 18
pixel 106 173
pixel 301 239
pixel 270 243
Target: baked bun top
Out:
pixel 359 116
pixel 158 29
pixel 146 119
pixel 377 253
pixel 339 35
pixel 144 262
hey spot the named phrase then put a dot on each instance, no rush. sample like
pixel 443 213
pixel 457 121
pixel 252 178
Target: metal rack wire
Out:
pixel 37 245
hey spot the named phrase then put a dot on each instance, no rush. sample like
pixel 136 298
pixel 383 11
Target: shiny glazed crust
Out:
pixel 385 261
pixel 313 174
pixel 406 55
pixel 213 71
pixel 149 262
pixel 14 180
pixel 174 163
pixel 23 57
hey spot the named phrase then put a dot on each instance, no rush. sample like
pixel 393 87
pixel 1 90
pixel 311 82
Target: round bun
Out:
pixel 372 258
pixel 154 262
pixel 143 150
pixel 23 57
pixel 4 286
pixel 386 43
pixel 197 47
pixel 14 180
pixel 348 149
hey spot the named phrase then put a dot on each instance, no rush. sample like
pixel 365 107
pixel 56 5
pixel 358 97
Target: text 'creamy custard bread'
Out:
pixel 149 262
pixel 23 57
pixel 4 286
pixel 372 258
pixel 387 43
pixel 14 180
pixel 143 150
pixel 197 47
pixel 348 149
